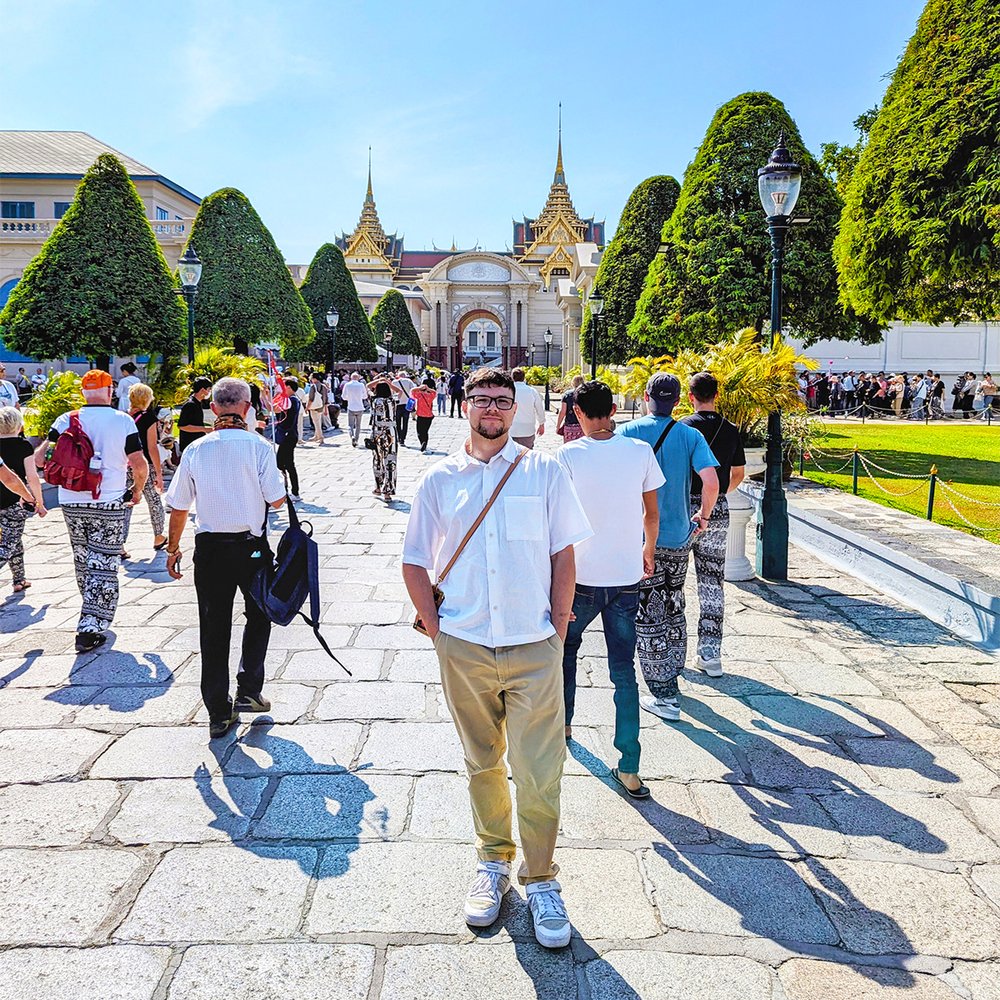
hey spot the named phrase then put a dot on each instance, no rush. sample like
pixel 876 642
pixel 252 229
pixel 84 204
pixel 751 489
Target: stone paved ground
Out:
pixel 825 820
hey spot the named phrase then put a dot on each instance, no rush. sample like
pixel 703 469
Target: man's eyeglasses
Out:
pixel 497 402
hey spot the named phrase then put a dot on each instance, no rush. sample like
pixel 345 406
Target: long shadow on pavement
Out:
pixel 126 681
pixel 304 804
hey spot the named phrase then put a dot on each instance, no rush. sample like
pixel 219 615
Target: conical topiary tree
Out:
pixel 714 275
pixel 329 283
pixel 623 267
pixel 100 284
pixel 920 231
pixel 391 314
pixel 246 294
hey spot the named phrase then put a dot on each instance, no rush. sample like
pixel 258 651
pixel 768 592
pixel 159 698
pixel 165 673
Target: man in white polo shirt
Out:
pixel 610 565
pixel 230 477
pixel 354 393
pixel 529 417
pixel 499 638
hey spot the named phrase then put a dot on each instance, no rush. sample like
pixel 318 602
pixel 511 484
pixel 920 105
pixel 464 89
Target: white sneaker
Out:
pixel 482 904
pixel 712 667
pixel 665 708
pixel 552 926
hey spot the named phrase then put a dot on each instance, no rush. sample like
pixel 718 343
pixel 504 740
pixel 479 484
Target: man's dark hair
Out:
pixel 704 386
pixel 292 383
pixel 488 378
pixel 517 374
pixel 201 383
pixel 595 399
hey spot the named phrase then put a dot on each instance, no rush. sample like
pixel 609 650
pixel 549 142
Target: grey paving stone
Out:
pixel 414 746
pixel 274 971
pixel 162 752
pixel 114 972
pixel 360 891
pixel 377 700
pixel 744 675
pixel 784 762
pixel 831 680
pixel 980 979
pixel 390 637
pixel 416 665
pixel 908 826
pixel 900 909
pixel 56 814
pixel 807 979
pixel 41 706
pixel 324 806
pixel 289 703
pixel 125 668
pixel 986 813
pixel 198 808
pixel 752 819
pixel 658 975
pixel 263 891
pixel 474 972
pixel 909 767
pixel 313 748
pixel 47 754
pixel 721 894
pixel 50 896
pixel 145 705
pixel 441 809
pixel 377 612
pixel 315 665
pixel 987 877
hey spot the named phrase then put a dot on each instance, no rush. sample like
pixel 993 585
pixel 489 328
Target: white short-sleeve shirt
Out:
pixel 228 477
pixel 499 591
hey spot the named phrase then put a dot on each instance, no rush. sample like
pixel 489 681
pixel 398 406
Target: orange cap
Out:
pixel 96 379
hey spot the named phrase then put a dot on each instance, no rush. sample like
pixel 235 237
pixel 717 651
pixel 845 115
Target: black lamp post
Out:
pixel 548 347
pixel 189 272
pixel 778 184
pixel 596 303
pixel 332 319
pixel 388 350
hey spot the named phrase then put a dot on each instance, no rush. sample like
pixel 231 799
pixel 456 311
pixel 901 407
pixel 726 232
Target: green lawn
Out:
pixel 967 457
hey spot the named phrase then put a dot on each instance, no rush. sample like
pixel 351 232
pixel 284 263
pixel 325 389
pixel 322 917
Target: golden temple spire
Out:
pixel 369 197
pixel 560 177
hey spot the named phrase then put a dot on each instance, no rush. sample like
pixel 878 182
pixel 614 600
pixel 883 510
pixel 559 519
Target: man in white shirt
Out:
pixel 97 525
pixel 403 386
pixel 610 564
pixel 38 379
pixel 354 393
pixel 230 546
pixel 499 637
pixel 128 379
pixel 918 400
pixel 530 411
pixel 8 393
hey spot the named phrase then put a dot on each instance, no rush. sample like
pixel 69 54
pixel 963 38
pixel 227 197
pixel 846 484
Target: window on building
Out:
pixel 59 209
pixel 491 338
pixel 162 215
pixel 473 338
pixel 17 209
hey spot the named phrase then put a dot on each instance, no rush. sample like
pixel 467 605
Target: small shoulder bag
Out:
pixel 438 593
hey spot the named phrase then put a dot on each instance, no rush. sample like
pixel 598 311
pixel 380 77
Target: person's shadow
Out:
pixel 19 615
pixel 304 803
pixel 29 659
pixel 126 681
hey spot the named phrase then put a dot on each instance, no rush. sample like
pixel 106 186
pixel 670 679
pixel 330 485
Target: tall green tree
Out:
pixel 392 314
pixel 329 283
pixel 839 161
pixel 246 294
pixel 920 231
pixel 623 267
pixel 714 274
pixel 100 284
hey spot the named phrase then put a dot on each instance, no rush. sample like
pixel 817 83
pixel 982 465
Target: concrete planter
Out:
pixel 738 566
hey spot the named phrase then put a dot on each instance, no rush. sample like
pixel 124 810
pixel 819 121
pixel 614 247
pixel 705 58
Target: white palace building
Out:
pixel 475 306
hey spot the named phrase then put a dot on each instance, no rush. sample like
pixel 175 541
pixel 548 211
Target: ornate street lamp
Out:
pixel 505 350
pixel 332 319
pixel 596 303
pixel 388 352
pixel 189 273
pixel 548 347
pixel 778 184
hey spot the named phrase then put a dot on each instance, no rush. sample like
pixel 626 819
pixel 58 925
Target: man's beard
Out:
pixel 490 433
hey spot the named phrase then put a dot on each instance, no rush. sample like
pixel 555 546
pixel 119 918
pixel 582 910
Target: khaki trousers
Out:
pixel 515 693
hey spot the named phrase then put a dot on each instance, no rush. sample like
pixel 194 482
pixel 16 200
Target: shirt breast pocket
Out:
pixel 523 519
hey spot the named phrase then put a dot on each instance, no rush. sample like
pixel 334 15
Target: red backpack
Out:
pixel 69 465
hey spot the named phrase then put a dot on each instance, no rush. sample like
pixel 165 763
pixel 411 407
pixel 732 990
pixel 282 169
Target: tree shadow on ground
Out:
pixel 126 681
pixel 304 803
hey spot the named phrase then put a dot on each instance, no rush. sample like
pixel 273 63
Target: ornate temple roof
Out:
pixel 369 242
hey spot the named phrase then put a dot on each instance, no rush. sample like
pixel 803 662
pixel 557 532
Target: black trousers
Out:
pixel 224 563
pixel 423 431
pixel 456 400
pixel 402 422
pixel 286 462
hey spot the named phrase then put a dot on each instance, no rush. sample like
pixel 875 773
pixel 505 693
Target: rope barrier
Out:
pixel 981 503
pixel 832 472
pixel 891 493
pixel 965 520
pixel 899 475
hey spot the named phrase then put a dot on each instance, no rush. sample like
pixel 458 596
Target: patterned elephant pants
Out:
pixel 97 533
pixel 153 501
pixel 12 540
pixel 661 626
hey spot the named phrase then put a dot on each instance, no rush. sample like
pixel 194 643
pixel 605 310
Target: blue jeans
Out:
pixel 617 607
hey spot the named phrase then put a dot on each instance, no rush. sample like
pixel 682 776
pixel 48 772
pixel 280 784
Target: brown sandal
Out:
pixel 22 586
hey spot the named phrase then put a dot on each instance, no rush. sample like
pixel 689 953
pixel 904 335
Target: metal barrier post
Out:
pixel 854 470
pixel 930 494
pixel 802 457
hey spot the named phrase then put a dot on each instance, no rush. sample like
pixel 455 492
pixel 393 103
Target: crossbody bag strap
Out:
pixel 479 520
pixel 663 436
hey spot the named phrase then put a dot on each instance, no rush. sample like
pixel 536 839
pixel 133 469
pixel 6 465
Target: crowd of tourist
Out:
pixel 902 396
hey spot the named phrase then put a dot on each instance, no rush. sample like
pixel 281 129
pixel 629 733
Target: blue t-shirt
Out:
pixel 684 451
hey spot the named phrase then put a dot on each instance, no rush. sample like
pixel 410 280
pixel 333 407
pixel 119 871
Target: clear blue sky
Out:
pixel 457 99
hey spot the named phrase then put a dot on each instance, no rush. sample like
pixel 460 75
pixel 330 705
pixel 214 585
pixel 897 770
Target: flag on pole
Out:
pixel 280 400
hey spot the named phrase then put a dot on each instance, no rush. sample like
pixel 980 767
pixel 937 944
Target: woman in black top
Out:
pixel 567 424
pixel 15 453
pixel 144 411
